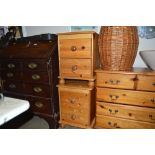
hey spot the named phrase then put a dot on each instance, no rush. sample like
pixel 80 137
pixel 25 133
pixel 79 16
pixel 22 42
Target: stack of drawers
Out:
pixel 77 61
pixel 29 71
pixel 125 99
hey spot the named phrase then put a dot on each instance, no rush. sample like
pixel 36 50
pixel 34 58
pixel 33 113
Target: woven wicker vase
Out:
pixel 118 47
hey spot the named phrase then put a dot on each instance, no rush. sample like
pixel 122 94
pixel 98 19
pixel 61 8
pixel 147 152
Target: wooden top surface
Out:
pixel 79 32
pixel 136 70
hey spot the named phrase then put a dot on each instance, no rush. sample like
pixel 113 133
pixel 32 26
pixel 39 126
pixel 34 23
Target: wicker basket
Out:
pixel 118 47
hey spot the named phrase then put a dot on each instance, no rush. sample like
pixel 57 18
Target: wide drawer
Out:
pixel 40 105
pixel 75 48
pixel 115 80
pixel 77 68
pixel 146 82
pixel 113 123
pixel 125 111
pixel 126 97
pixel 41 90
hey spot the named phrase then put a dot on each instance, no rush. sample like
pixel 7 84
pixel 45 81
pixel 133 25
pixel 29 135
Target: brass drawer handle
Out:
pixel 113 97
pixel 73 48
pixel 73 117
pixel 35 77
pixel 12 86
pixel 113 111
pixel 37 89
pixel 112 82
pixel 39 104
pixel 153 84
pixel 11 65
pixel 74 68
pixel 9 75
pixel 114 125
pixel 32 65
pixel 151 117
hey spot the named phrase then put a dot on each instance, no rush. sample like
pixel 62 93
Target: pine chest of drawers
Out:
pixel 125 99
pixel 29 70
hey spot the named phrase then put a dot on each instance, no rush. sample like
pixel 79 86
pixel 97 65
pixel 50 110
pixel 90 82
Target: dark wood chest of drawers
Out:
pixel 29 70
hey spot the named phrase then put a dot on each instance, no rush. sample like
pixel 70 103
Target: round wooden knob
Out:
pixel 73 48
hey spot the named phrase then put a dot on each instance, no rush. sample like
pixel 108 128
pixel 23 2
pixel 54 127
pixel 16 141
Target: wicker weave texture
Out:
pixel 118 47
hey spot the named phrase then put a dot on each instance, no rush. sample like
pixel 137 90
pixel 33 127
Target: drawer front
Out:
pixel 37 90
pixel 126 97
pixel 146 83
pixel 13 86
pixel 75 48
pixel 125 111
pixel 35 77
pixel 115 80
pixel 40 105
pixel 11 65
pixel 35 65
pixel 74 98
pixel 114 123
pixel 12 75
pixel 77 68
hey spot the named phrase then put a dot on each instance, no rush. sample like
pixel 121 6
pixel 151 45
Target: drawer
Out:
pixel 125 111
pixel 12 75
pixel 74 98
pixel 113 123
pixel 11 65
pixel 126 97
pixel 40 105
pixel 35 77
pixel 75 48
pixel 76 68
pixel 37 89
pixel 146 82
pixel 13 86
pixel 35 65
pixel 115 80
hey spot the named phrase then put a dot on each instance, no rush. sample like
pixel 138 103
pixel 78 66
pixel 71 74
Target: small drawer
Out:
pixel 40 105
pixel 75 48
pixel 12 75
pixel 130 97
pixel 114 123
pixel 35 65
pixel 11 65
pixel 13 86
pixel 125 111
pixel 37 89
pixel 115 80
pixel 146 82
pixel 76 68
pixel 35 77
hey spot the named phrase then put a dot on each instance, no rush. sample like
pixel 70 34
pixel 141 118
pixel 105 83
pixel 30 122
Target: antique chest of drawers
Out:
pixel 29 70
pixel 77 62
pixel 125 99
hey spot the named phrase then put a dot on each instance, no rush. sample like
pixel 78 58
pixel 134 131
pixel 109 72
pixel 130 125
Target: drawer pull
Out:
pixel 83 47
pixel 35 77
pixel 151 117
pixel 32 65
pixel 152 100
pixel 74 68
pixel 113 97
pixel 12 86
pixel 153 83
pixel 73 117
pixel 11 65
pixel 9 75
pixel 73 100
pixel 73 48
pixel 113 111
pixel 37 89
pixel 39 104
pixel 112 82
pixel 114 125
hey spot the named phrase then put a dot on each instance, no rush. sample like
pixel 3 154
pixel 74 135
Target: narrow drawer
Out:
pixel 12 75
pixel 35 77
pixel 113 123
pixel 146 82
pixel 75 48
pixel 125 111
pixel 126 97
pixel 115 80
pixel 35 65
pixel 40 90
pixel 77 68
pixel 41 105
pixel 11 65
